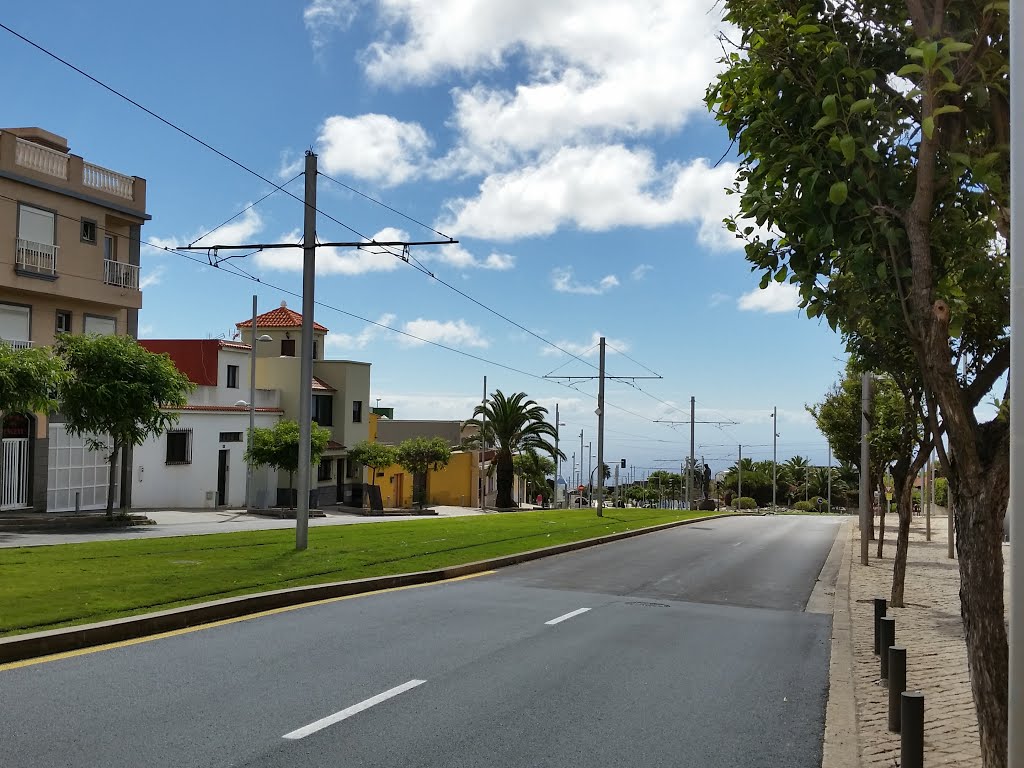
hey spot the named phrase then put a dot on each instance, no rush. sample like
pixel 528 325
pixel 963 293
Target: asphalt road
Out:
pixel 688 647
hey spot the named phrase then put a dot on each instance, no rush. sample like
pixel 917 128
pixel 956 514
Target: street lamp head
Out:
pixel 264 337
pixel 241 404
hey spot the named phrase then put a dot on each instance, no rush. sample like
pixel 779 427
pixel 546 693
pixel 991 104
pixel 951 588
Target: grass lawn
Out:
pixel 56 586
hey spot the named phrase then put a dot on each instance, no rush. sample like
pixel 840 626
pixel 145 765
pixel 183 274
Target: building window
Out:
pixel 231 437
pixel 179 446
pixel 287 347
pixel 323 471
pixel 109 248
pixel 36 225
pixel 323 410
pixel 314 349
pixel 15 323
pixel 63 321
pixel 100 326
pixel 232 377
pixel 353 469
pixel 357 411
pixel 89 231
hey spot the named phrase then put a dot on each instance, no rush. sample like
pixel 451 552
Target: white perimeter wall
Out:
pixel 157 484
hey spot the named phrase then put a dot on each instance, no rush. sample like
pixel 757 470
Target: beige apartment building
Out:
pixel 340 391
pixel 69 263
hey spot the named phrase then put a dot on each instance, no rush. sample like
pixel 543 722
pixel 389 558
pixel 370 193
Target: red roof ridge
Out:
pixel 281 317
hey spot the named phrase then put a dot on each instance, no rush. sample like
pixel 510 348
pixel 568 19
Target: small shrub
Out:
pixel 708 505
pixel 745 502
pixel 805 506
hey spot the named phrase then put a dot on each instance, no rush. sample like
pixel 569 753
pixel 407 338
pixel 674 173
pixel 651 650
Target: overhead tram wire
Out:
pixel 179 129
pixel 281 188
pixel 382 204
pixel 245 210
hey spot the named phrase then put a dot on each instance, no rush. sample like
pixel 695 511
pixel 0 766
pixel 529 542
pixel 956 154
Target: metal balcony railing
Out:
pixel 17 343
pixel 121 274
pixel 36 257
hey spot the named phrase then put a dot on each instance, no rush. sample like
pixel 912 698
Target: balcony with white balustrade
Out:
pixel 35 258
pixel 120 274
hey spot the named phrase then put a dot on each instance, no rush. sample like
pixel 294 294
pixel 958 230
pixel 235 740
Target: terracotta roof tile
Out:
pixel 321 385
pixel 282 317
pixel 334 445
pixel 228 408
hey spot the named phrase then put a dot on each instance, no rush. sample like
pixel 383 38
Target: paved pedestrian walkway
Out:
pixel 930 628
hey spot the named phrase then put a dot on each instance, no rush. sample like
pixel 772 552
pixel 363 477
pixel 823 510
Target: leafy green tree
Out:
pixel 278 447
pixel 376 456
pixel 29 379
pixel 889 207
pixel 419 455
pixel 513 424
pixel 116 387
pixel 534 468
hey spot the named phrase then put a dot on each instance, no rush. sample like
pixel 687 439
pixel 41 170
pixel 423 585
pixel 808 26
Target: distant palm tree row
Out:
pixel 796 480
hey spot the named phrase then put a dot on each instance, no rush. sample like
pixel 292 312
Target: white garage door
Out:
pixel 73 468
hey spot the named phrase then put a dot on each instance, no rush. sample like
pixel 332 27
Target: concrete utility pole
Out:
pixel 557 462
pixel 775 452
pixel 829 478
pixel 926 501
pixel 739 482
pixel 306 360
pixel 483 451
pixel 865 465
pixel 689 475
pixel 1015 512
pixel 590 469
pixel 581 462
pixel 600 433
pixel 252 404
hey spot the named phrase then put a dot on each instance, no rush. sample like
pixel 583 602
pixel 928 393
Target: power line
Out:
pixel 245 210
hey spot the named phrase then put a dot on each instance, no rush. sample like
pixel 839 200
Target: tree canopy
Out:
pixel 29 379
pixel 278 447
pixel 419 455
pixel 376 456
pixel 116 387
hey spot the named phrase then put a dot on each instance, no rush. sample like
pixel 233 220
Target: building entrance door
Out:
pixel 222 477
pixel 14 460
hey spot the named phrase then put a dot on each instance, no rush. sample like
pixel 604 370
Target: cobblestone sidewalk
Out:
pixel 929 627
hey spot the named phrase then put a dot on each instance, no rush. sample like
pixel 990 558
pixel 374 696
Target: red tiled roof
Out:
pixel 282 317
pixel 333 445
pixel 234 345
pixel 320 384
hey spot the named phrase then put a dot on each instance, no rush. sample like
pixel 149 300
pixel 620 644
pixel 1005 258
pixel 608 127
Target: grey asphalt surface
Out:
pixel 695 651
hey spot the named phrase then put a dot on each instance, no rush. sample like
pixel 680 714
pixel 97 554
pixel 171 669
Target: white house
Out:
pixel 200 461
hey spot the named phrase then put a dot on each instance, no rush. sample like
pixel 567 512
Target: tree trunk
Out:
pixel 505 470
pixel 979 502
pixel 904 510
pixel 883 507
pixel 112 478
pixel 291 490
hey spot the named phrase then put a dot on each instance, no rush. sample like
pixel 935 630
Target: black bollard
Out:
pixel 887 632
pixel 897 685
pixel 912 733
pixel 879 613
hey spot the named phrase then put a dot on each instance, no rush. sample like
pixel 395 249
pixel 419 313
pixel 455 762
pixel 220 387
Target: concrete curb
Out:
pixel 841 748
pixel 35 644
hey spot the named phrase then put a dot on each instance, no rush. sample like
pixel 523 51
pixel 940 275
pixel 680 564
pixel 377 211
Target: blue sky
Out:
pixel 565 145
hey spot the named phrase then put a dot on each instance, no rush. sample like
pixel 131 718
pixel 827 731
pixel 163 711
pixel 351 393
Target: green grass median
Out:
pixel 56 586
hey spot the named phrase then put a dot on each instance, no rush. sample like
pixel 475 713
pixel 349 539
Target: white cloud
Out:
pixel 335 261
pixel 346 341
pixel 430 405
pixel 594 66
pixel 777 297
pixel 597 189
pixel 377 148
pixel 451 332
pixel 640 271
pixel 237 232
pixel 717 298
pixel 152 276
pixel 322 17
pixel 458 257
pixel 586 348
pixel 563 280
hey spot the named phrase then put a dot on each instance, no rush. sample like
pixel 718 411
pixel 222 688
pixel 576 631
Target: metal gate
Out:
pixel 14 473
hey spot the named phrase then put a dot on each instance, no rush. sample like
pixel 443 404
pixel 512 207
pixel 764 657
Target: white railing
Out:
pixel 16 343
pixel 120 274
pixel 39 158
pixel 106 180
pixel 36 257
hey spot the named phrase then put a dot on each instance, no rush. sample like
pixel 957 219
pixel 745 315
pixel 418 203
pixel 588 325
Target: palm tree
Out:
pixel 512 425
pixel 797 468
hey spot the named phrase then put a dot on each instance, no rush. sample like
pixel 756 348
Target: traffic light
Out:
pixel 622 463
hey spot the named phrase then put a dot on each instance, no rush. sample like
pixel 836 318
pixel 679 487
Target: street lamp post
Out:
pixel 252 402
pixel 557 462
pixel 775 457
